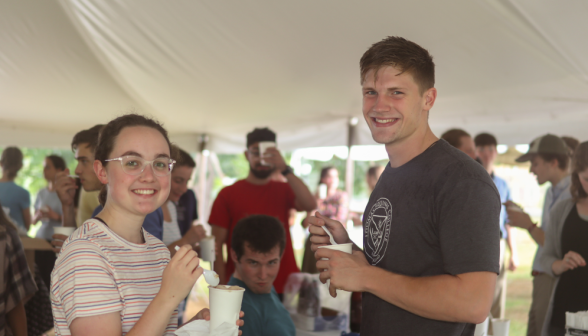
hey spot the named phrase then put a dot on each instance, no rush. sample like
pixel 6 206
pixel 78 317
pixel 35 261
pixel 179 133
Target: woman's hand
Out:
pixel 570 261
pixel 180 275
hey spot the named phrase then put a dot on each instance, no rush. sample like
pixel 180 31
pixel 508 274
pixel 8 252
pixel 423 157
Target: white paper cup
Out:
pixel 225 304
pixel 66 231
pixel 482 328
pixel 347 248
pixel 207 249
pixel 263 146
pixel 322 191
pixel 500 327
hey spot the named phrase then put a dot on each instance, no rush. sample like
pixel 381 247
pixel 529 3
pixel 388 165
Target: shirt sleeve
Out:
pixel 19 280
pixel 25 202
pixel 469 231
pixel 220 214
pixel 83 283
pixel 153 223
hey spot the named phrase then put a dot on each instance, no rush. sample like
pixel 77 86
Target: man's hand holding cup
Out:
pixel 319 236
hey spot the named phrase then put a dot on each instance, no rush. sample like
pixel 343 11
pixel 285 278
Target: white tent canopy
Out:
pixel 516 68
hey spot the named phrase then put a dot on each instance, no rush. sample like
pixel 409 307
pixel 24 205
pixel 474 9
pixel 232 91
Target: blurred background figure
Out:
pixel 371 177
pixel 47 205
pixel 16 281
pixel 486 149
pixel 461 140
pixel 572 144
pixel 565 250
pixel 48 210
pixel 180 211
pixel 12 196
pixel 332 202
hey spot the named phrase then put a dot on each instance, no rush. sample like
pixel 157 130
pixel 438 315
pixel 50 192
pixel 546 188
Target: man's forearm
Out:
pixel 304 198
pixel 538 235
pixel 69 215
pixel 462 298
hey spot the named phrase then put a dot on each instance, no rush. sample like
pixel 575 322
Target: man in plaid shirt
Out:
pixel 16 282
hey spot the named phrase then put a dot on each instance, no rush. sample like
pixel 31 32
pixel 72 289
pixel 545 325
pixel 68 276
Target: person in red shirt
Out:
pixel 258 194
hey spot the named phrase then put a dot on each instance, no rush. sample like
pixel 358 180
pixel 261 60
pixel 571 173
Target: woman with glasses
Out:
pixel 112 277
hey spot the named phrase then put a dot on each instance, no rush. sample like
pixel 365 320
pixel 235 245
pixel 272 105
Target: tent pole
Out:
pixel 202 172
pixel 349 166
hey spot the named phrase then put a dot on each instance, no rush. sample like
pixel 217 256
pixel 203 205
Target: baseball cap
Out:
pixel 546 144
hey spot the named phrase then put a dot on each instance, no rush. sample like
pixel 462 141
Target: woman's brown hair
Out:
pixel 11 162
pixel 579 164
pixel 110 132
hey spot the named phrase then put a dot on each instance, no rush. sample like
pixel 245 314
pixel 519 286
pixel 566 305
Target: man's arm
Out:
pixel 304 201
pixel 513 261
pixel 521 219
pixel 220 238
pixel 26 217
pixel 464 297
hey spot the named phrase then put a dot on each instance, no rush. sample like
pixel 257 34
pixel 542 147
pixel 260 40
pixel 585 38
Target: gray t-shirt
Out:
pixel 436 214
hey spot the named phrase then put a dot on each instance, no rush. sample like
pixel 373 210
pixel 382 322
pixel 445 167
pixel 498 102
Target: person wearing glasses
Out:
pixel 112 277
pixel 258 194
pixel 84 145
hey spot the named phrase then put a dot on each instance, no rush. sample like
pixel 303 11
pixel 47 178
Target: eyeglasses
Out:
pixel 134 165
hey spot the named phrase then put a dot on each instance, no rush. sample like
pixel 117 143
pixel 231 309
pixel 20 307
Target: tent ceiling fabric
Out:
pixel 516 68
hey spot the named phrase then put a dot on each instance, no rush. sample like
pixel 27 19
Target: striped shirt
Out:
pixel 98 272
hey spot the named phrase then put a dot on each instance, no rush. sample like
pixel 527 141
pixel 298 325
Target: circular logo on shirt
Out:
pixel 377 230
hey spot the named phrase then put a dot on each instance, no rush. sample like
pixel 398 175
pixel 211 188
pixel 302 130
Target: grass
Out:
pixel 519 285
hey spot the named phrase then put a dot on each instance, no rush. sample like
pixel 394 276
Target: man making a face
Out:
pixel 257 246
pixel 431 234
pixel 259 194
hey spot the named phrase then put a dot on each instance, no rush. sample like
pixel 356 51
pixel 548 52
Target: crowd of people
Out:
pixel 436 226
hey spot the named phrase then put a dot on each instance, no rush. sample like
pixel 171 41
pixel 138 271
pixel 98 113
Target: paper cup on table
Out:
pixel 225 304
pixel 347 248
pixel 207 249
pixel 500 327
pixel 263 146
pixel 66 231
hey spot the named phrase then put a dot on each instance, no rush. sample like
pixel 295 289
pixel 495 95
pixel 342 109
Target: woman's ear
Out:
pixel 100 172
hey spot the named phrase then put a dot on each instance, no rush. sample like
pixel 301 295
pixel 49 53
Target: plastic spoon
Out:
pixel 330 235
pixel 211 277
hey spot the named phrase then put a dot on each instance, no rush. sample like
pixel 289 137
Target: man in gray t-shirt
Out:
pixel 431 233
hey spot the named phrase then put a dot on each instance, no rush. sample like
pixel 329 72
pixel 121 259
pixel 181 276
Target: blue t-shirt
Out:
pixel 16 199
pixel 504 192
pixel 153 222
pixel 46 198
pixel 265 314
